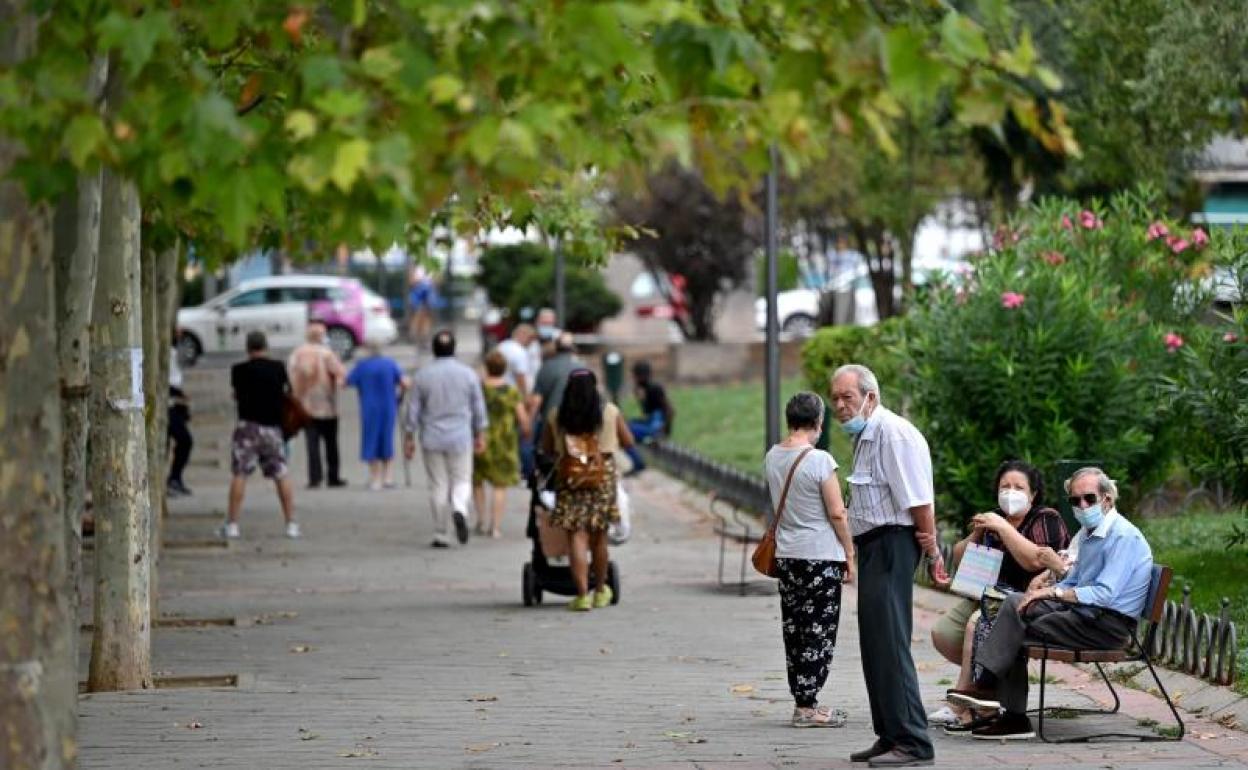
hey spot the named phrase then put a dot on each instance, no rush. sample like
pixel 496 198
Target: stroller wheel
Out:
pixel 528 586
pixel 613 580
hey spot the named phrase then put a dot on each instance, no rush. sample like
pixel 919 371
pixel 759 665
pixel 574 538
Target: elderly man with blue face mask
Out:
pixel 892 518
pixel 1096 606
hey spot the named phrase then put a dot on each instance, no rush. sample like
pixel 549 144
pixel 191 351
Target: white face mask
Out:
pixel 1013 501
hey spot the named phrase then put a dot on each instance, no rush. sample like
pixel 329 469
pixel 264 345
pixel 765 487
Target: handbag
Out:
pixel 294 417
pixel 764 557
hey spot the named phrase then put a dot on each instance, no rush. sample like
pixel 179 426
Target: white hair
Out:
pixel 867 383
pixel 1106 486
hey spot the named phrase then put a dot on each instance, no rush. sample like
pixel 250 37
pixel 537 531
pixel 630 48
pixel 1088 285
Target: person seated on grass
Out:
pixel 1028 533
pixel 656 410
pixel 1096 606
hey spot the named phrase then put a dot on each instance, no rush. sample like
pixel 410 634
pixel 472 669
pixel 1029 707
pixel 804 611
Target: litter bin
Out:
pixel 613 371
pixel 1063 470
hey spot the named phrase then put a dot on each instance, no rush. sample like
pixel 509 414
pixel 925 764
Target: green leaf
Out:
pixel 380 63
pixel 321 72
pixel 518 138
pixel 916 77
pixel 980 107
pixel 963 39
pixel 350 159
pixel 482 140
pixel 135 37
pixel 301 124
pixel 1048 78
pixel 342 105
pixel 444 88
pixel 84 135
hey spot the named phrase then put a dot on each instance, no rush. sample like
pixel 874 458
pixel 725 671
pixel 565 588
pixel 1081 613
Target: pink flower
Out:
pixel 1177 245
pixel 1200 238
pixel 1054 258
pixel 1230 337
pixel 1173 341
pixel 1090 221
pixel 1011 300
pixel 1157 230
pixel 1066 223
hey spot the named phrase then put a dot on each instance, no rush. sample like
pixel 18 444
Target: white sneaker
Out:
pixel 229 530
pixel 292 530
pixel 943 717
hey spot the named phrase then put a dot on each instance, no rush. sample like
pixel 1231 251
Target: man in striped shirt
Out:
pixel 892 517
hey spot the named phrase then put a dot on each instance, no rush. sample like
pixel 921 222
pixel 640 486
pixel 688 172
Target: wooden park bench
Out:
pixel 1134 652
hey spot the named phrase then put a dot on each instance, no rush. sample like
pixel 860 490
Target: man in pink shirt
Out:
pixel 316 374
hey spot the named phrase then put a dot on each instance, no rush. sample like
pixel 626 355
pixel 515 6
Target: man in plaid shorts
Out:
pixel 259 385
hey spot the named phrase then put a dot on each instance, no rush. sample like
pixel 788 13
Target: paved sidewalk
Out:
pixel 363 647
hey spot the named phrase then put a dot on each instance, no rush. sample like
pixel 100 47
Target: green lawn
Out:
pixel 1194 545
pixel 726 422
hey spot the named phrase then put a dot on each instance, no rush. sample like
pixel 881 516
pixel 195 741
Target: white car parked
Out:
pixel 798 309
pixel 280 306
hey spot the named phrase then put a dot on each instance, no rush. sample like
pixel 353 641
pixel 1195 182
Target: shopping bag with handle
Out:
pixel 979 569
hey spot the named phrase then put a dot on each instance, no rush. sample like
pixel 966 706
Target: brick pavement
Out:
pixel 362 647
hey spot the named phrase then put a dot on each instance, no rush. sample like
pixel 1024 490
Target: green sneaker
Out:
pixel 603 597
pixel 581 603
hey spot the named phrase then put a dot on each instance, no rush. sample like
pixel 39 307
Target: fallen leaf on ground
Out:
pixel 483 699
pixel 604 650
pixel 676 734
pixel 480 747
pixel 742 689
pixel 697 740
pixel 194 725
pixel 360 753
pixel 301 648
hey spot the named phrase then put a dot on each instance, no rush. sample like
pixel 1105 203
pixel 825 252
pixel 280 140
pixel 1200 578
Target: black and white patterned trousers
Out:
pixel 810 611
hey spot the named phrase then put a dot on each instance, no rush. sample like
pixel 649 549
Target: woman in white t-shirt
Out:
pixel 814 556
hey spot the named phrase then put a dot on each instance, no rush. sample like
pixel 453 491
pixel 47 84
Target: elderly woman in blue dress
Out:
pixel 380 384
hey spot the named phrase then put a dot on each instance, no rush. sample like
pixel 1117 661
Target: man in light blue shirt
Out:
pixel 446 409
pixel 1096 606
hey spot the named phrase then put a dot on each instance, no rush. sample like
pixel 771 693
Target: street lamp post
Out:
pixel 773 320
pixel 560 287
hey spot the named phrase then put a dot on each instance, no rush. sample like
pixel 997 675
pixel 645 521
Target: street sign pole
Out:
pixel 773 320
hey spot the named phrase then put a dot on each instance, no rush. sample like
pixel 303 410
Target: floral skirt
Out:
pixel 592 508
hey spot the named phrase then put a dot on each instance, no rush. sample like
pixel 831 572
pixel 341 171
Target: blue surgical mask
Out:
pixel 1090 517
pixel 856 424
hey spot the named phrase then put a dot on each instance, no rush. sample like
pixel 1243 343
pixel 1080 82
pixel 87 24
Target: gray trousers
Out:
pixel 1047 621
pixel 886 563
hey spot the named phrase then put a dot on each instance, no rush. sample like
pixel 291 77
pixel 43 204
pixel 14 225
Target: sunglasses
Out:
pixel 1089 498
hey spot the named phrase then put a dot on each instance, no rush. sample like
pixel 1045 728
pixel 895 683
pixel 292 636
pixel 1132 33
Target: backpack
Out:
pixel 581 465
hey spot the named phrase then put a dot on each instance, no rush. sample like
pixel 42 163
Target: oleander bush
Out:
pixel 1059 345
pixel 1209 389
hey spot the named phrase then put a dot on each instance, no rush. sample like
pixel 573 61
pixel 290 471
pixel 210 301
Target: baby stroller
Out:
pixel 541 574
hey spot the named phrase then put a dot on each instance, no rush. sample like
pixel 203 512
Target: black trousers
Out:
pixel 810 612
pixel 1059 624
pixel 887 559
pixel 318 431
pixel 180 435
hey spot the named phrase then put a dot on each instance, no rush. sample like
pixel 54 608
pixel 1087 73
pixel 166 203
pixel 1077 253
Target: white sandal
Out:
pixel 819 716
